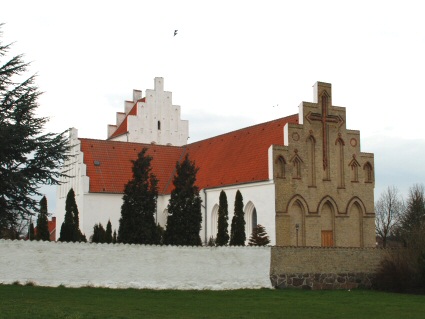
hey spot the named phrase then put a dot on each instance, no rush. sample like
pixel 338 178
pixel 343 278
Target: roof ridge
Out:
pixel 245 128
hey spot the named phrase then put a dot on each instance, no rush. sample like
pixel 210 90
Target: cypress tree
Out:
pixel 237 232
pixel 137 222
pixel 108 238
pixel 99 234
pixel 114 237
pixel 184 209
pixel 259 236
pixel 223 216
pixel 43 222
pixel 70 231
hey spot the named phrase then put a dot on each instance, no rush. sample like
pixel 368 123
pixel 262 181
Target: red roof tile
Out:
pixel 233 158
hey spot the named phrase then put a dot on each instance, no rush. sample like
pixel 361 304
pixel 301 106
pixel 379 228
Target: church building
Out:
pixel 303 177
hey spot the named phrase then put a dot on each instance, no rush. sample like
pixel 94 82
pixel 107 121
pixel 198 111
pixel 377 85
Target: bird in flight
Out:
pixel 175 32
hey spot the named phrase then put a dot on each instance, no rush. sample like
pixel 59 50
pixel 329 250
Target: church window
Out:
pixel 311 143
pixel 368 172
pixel 354 169
pixel 280 167
pixel 254 219
pixel 340 145
pixel 159 125
pixel 297 169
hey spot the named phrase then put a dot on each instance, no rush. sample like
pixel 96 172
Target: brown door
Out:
pixel 327 238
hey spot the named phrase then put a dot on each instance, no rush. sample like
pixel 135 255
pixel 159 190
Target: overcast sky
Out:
pixel 230 63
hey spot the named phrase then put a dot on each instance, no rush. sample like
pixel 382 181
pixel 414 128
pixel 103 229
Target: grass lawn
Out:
pixel 40 302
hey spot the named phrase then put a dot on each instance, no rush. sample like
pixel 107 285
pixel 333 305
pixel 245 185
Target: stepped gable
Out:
pixel 109 163
pixel 237 157
pixel 233 158
pixel 123 127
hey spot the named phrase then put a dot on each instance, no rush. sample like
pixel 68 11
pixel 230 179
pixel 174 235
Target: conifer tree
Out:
pixel 259 236
pixel 70 231
pixel 29 157
pixel 108 238
pixel 99 234
pixel 237 231
pixel 43 222
pixel 184 209
pixel 137 222
pixel 222 238
pixel 114 237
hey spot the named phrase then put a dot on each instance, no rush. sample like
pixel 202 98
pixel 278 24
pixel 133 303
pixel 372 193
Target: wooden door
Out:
pixel 327 238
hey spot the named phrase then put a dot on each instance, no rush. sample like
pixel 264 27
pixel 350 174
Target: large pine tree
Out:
pixel 137 222
pixel 43 221
pixel 237 231
pixel 184 209
pixel 29 157
pixel 70 231
pixel 222 238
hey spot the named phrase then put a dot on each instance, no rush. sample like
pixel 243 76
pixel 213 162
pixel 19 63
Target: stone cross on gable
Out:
pixel 325 118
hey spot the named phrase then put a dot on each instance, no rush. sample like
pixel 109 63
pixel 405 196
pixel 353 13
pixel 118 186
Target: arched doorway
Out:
pixel 250 219
pixel 327 225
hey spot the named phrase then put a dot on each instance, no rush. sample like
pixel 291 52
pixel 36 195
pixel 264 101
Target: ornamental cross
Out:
pixel 325 119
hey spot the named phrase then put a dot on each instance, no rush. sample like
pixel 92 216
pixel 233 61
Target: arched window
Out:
pixel 214 221
pixel 311 146
pixel 254 218
pixel 354 169
pixel 280 167
pixel 368 172
pixel 341 174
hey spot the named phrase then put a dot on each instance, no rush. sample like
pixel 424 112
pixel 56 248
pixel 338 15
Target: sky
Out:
pixel 233 64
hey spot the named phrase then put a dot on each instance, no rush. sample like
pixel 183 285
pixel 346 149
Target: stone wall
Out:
pixel 324 268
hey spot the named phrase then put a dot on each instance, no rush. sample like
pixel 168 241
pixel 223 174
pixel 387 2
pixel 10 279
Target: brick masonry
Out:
pixel 324 268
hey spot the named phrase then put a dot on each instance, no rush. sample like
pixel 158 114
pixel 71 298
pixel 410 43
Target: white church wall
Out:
pixel 78 181
pixel 134 266
pixel 99 208
pixel 261 195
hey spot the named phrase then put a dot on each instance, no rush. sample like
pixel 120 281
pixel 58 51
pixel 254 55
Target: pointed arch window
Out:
pixel 311 146
pixel 341 174
pixel 368 172
pixel 280 167
pixel 354 169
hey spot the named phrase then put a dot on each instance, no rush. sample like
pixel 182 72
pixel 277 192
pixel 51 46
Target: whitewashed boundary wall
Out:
pixel 134 266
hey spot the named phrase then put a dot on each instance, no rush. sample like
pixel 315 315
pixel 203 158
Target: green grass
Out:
pixel 40 302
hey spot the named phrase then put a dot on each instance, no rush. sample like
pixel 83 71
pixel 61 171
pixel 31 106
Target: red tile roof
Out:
pixel 233 158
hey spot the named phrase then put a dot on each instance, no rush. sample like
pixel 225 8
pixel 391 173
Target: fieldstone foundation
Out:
pixel 320 281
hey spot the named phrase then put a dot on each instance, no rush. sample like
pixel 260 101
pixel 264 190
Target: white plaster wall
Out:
pixel 262 195
pixel 134 266
pixel 99 208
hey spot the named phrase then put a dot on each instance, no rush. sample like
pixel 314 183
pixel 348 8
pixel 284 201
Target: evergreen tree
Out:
pixel 43 222
pixel 108 238
pixel 237 231
pixel 184 209
pixel 99 234
pixel 114 237
pixel 259 236
pixel 28 156
pixel 137 222
pixel 70 231
pixel 223 224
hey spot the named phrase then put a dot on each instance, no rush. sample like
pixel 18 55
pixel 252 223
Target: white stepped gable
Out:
pixel 150 119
